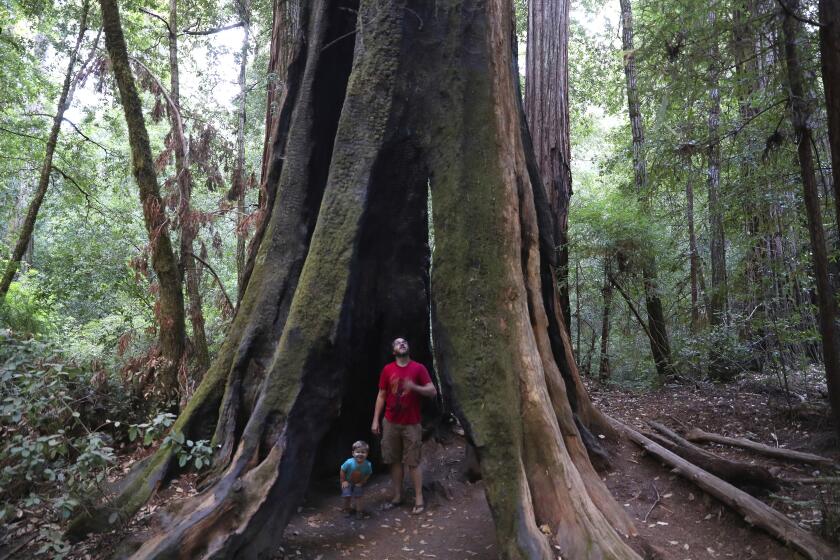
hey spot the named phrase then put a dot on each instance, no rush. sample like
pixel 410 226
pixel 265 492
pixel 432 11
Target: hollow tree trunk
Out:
pixel 830 56
pixel 28 225
pixel 547 111
pixel 239 184
pixel 171 300
pixel 660 345
pixel 431 99
pixel 800 116
pixel 183 178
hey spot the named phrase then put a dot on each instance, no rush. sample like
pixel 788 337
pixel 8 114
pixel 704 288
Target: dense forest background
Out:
pixel 718 209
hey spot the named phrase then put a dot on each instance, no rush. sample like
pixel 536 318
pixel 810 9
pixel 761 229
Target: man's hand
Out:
pixel 375 429
pixel 344 484
pixel 427 390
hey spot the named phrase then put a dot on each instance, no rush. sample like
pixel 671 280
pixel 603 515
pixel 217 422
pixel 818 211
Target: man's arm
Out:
pixel 377 412
pixel 427 390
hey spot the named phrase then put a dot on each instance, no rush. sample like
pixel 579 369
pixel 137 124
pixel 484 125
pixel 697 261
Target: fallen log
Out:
pixel 755 512
pixel 696 434
pixel 735 472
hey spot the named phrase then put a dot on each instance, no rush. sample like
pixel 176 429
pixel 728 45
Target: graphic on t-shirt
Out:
pixel 398 391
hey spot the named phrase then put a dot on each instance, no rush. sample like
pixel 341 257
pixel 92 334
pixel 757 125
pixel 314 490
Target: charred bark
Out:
pixel 64 99
pixel 171 301
pixel 800 117
pixel 344 265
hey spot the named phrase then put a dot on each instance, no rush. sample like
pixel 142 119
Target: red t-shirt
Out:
pixel 402 406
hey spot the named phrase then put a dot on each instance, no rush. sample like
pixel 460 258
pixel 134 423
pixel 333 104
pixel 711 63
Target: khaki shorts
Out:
pixel 401 443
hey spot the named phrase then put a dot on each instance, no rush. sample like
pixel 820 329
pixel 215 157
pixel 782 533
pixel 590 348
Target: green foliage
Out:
pixel 27 309
pixel 51 459
pixel 187 451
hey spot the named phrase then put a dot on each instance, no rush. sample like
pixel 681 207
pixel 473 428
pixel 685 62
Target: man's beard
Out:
pixel 401 354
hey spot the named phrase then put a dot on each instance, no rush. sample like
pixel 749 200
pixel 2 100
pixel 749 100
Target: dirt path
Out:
pixel 675 520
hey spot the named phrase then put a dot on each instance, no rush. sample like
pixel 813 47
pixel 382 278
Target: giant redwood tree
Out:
pixel 384 105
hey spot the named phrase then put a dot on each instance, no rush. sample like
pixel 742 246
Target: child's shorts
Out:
pixel 352 490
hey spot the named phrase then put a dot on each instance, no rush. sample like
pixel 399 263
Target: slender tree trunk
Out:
pixel 830 56
pixel 547 111
pixel 660 345
pixel 717 240
pixel 693 264
pixel 577 306
pixel 186 221
pixel 25 233
pixel 606 291
pixel 239 181
pixel 800 117
pixel 171 299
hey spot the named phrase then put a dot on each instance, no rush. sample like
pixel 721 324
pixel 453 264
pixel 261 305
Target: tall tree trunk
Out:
pixel 717 240
pixel 64 100
pixel 800 117
pixel 547 111
pixel 239 181
pixel 830 56
pixel 171 300
pixel 660 345
pixel 693 261
pixel 606 291
pixel 186 221
pixel 344 263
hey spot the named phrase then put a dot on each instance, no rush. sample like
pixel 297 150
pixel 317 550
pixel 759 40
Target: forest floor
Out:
pixel 675 519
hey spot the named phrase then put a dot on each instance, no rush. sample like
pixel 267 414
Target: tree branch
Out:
pixel 216 276
pixel 157 16
pixel 214 30
pixel 21 134
pixel 630 305
pixel 86 137
pixel 797 17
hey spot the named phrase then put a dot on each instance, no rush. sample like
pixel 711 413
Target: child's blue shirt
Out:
pixel 350 466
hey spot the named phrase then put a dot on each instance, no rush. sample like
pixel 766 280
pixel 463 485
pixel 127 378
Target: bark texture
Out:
pixel 171 300
pixel 660 345
pixel 28 225
pixel 431 108
pixel 800 118
pixel 547 111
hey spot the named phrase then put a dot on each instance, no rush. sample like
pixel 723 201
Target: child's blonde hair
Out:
pixel 361 445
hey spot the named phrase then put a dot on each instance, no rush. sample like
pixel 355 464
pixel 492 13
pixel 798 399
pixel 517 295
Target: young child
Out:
pixel 354 473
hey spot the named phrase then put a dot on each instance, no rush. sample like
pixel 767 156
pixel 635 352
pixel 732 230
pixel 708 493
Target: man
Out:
pixel 401 384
